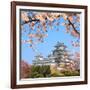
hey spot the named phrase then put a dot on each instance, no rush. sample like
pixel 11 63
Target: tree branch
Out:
pixel 31 20
pixel 70 23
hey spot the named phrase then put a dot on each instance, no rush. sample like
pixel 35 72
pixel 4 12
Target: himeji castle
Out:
pixel 58 56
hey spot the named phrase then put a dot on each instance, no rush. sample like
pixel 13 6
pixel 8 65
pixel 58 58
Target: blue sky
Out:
pixel 45 48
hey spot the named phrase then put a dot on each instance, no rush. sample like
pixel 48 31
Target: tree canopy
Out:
pixel 40 22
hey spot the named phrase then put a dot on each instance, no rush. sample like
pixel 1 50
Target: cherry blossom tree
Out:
pixel 77 60
pixel 40 22
pixel 25 69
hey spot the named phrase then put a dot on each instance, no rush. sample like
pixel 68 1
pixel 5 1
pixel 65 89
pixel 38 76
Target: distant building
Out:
pixel 40 60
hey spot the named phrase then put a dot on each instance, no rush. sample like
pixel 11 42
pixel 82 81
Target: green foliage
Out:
pixel 35 68
pixel 35 75
pixel 65 73
pixel 40 71
pixel 56 73
pixel 45 71
pixel 71 73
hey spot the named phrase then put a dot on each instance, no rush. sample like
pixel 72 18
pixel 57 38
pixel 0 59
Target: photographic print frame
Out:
pixel 16 80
